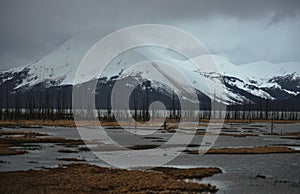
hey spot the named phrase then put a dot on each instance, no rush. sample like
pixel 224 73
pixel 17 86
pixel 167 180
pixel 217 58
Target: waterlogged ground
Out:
pixel 242 173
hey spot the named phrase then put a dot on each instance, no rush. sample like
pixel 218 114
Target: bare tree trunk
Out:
pixel 1 99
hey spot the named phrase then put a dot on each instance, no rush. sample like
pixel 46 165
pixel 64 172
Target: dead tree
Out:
pixel 1 99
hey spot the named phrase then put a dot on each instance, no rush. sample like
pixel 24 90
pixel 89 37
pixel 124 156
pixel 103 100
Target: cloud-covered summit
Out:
pixel 243 31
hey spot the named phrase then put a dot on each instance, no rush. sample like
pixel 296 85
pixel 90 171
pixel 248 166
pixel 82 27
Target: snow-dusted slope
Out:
pixel 256 78
pixel 56 68
pixel 262 79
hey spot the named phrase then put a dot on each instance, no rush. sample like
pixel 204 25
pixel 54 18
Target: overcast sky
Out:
pixel 239 30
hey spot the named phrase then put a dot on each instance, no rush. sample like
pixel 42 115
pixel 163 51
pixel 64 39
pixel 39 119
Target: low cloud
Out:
pixel 242 31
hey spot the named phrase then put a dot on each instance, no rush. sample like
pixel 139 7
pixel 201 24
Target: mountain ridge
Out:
pixel 241 82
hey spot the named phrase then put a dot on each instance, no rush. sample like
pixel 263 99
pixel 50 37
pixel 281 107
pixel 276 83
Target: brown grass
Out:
pixel 29 137
pixel 21 133
pixel 228 134
pixel 295 135
pixel 24 123
pixel 71 123
pixel 71 159
pixel 84 178
pixel 191 173
pixel 62 123
pixel 249 121
pixel 21 140
pixel 254 150
pixel 5 150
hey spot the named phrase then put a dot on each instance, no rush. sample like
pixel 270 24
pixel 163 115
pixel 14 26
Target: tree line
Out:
pixel 59 107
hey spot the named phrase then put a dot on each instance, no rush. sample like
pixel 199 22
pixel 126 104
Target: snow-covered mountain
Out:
pixel 241 83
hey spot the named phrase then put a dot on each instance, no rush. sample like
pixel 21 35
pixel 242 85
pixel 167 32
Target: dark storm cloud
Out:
pixel 30 29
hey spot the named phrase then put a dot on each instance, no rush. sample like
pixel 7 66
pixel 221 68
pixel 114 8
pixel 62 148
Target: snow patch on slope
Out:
pixel 60 66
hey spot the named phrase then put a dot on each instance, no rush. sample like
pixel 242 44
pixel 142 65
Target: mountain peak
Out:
pixel 261 78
